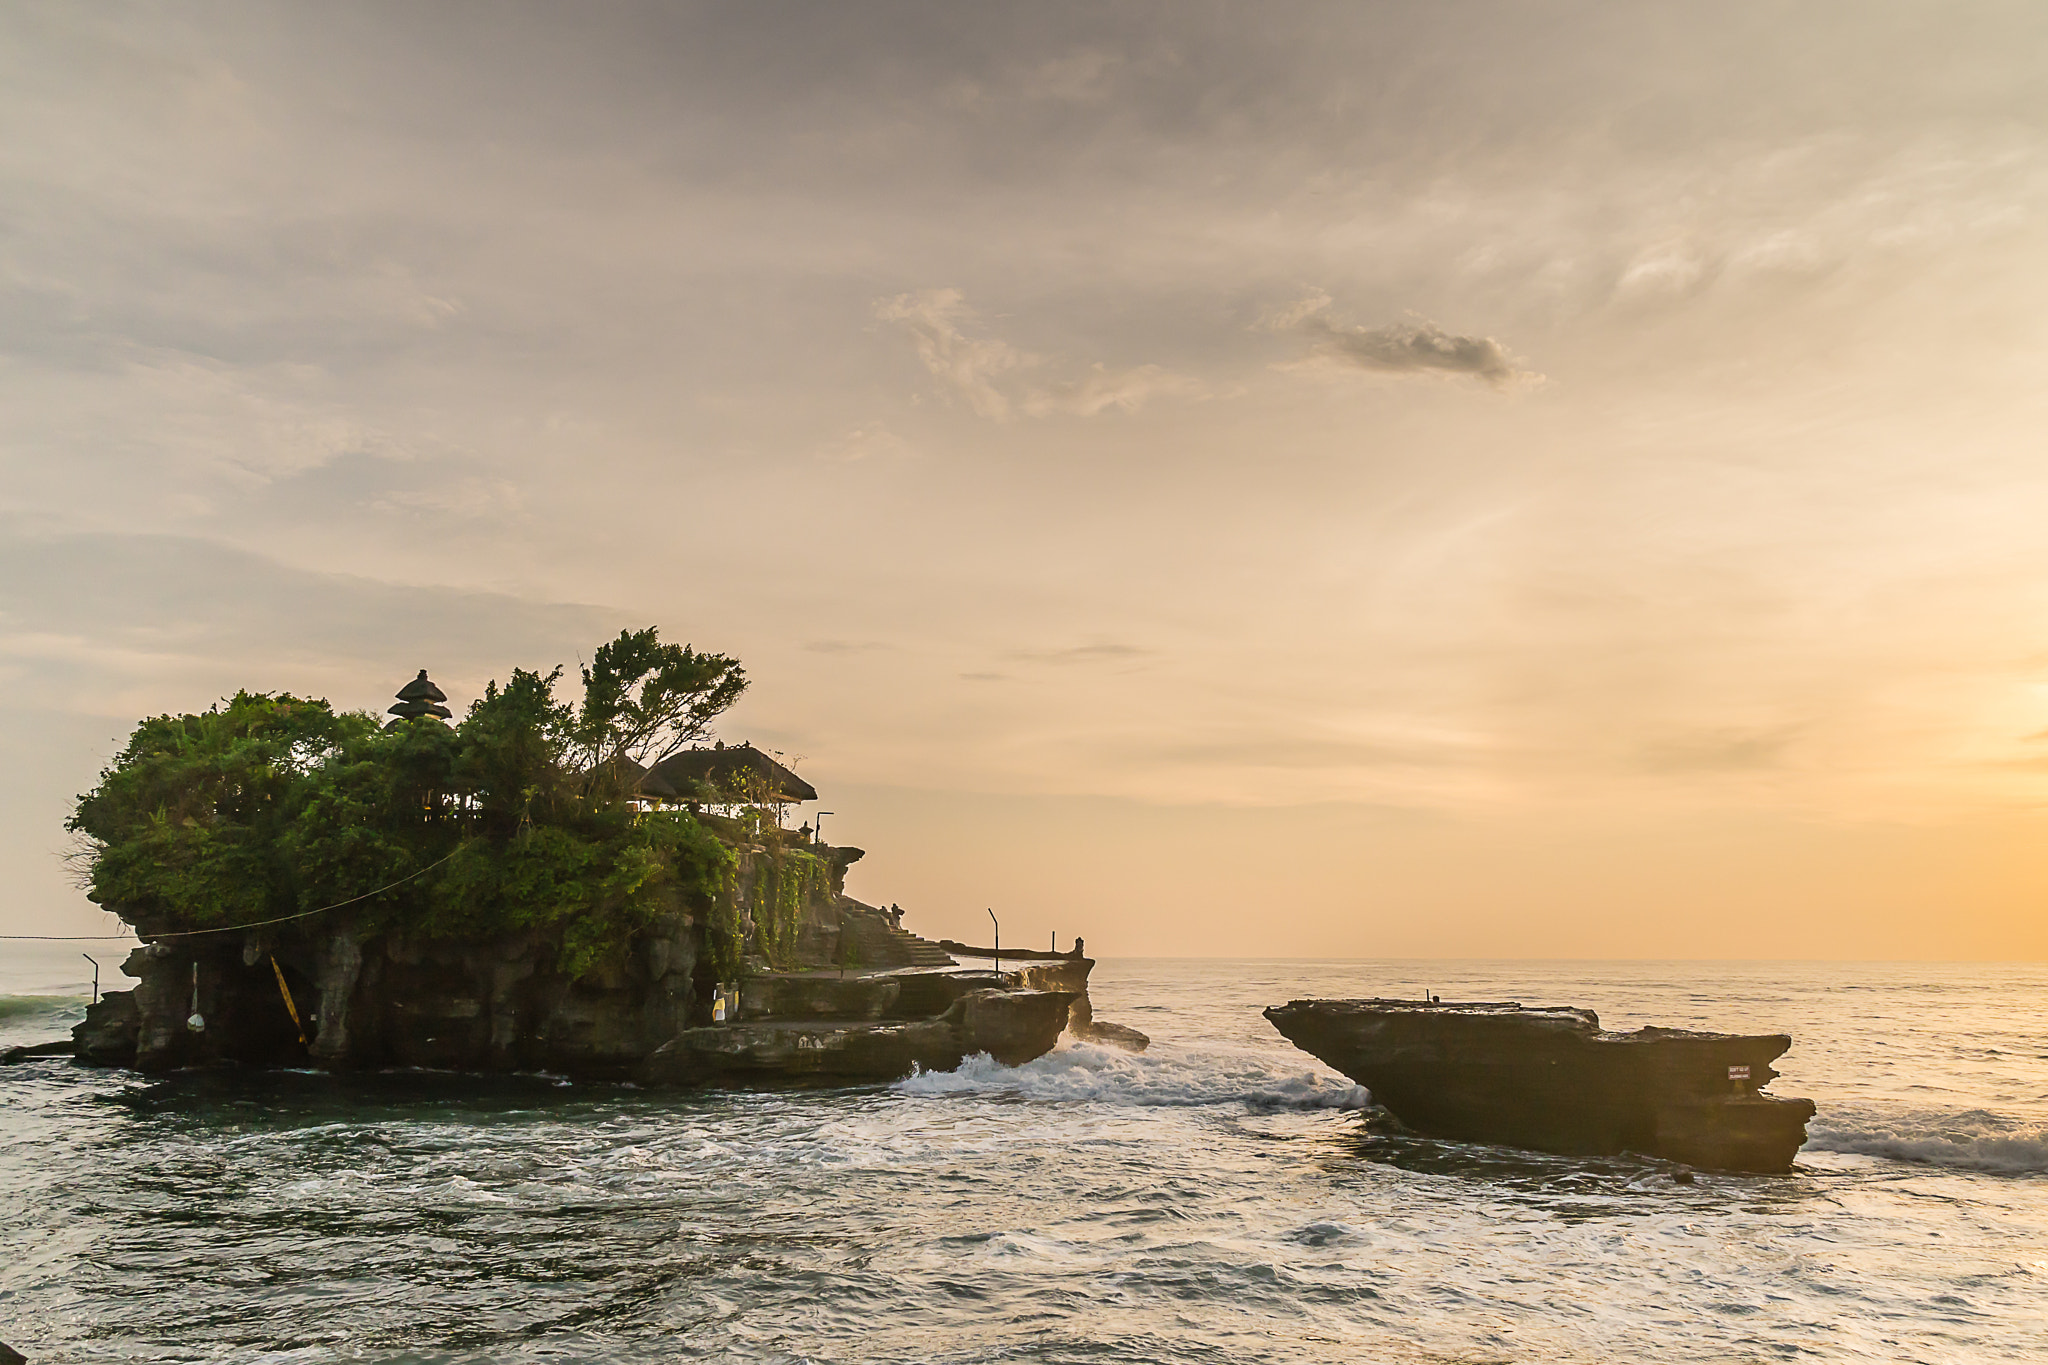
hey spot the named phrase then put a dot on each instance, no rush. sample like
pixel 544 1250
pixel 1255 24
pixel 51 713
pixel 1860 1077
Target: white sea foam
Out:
pixel 1974 1140
pixel 1165 1077
pixel 1080 1207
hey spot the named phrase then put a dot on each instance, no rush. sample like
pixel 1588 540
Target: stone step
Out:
pixel 879 945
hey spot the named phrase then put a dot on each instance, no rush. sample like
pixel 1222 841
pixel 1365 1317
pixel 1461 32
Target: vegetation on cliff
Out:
pixel 516 818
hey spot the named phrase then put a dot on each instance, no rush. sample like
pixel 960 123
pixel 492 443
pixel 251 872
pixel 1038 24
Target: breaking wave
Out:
pixel 21 1006
pixel 1163 1078
pixel 1974 1140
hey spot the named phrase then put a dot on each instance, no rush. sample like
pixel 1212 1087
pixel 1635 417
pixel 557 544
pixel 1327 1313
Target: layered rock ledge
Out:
pixel 652 1014
pixel 1555 1081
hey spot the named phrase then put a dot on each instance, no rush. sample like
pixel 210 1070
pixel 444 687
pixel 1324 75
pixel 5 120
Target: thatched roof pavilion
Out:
pixel 741 770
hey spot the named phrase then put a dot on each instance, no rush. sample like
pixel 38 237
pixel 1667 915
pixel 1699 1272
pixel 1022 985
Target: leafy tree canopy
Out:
pixel 269 805
pixel 644 700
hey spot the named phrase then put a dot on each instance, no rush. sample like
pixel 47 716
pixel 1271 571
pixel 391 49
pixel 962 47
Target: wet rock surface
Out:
pixel 370 1001
pixel 1012 1026
pixel 1554 1081
pixel 106 1036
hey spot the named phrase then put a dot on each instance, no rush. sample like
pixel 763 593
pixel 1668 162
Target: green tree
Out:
pixel 187 823
pixel 644 700
pixel 267 806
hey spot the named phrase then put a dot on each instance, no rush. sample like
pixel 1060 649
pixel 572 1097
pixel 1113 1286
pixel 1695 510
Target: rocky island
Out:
pixel 1555 1081
pixel 584 889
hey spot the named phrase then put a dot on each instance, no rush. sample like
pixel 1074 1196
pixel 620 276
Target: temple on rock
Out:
pixel 761 968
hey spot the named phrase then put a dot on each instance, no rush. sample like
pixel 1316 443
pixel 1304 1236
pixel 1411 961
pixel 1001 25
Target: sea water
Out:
pixel 1221 1197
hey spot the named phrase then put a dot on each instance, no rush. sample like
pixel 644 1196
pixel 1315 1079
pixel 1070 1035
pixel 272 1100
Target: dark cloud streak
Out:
pixel 1406 347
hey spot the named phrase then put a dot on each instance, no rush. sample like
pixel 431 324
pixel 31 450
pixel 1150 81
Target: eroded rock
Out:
pixel 1555 1081
pixel 370 1000
pixel 106 1036
pixel 1012 1026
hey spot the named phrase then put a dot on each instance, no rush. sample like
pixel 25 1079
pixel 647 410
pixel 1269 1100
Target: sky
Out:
pixel 1351 480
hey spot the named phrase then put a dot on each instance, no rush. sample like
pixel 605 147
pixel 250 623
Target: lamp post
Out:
pixel 818 824
pixel 95 976
pixel 999 939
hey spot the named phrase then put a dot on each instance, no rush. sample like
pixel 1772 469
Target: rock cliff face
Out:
pixel 865 1001
pixel 367 1001
pixel 1553 1080
pixel 1071 974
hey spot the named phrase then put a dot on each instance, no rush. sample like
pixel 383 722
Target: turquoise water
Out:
pixel 1219 1198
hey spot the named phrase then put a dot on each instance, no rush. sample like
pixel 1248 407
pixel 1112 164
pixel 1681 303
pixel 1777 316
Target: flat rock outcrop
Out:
pixel 1012 1026
pixel 1555 1081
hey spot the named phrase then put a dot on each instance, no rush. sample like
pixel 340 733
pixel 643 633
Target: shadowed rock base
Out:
pixel 106 1036
pixel 860 1000
pixel 495 1006
pixel 1012 1026
pixel 1553 1080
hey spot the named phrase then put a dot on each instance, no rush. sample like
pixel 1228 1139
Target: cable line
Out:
pixel 231 928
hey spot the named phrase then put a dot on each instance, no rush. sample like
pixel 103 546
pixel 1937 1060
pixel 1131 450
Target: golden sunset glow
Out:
pixel 1441 481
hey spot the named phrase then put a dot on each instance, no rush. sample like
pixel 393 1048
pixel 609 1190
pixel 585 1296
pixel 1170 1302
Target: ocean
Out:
pixel 1221 1197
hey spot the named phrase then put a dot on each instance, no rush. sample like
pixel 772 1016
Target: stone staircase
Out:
pixel 868 939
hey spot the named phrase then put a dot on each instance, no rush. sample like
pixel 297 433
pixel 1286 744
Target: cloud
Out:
pixel 121 626
pixel 1103 389
pixel 1419 347
pixel 967 365
pixel 1083 76
pixel 1279 750
pixel 988 372
pixel 868 441
pixel 1720 750
pixel 469 499
pixel 1082 654
pixel 1669 270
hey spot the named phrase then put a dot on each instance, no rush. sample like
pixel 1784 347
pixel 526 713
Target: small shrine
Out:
pixel 420 698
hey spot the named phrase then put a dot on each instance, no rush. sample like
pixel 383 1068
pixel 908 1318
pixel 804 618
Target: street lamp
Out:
pixel 818 824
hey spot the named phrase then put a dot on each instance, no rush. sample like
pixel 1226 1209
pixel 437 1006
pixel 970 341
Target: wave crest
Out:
pixel 1975 1140
pixel 17 1006
pixel 1159 1078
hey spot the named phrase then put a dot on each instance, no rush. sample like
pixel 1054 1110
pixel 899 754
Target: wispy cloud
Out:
pixel 1103 389
pixel 1704 750
pixel 990 374
pixel 1082 654
pixel 969 366
pixel 1417 347
pixel 868 441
